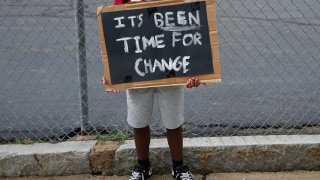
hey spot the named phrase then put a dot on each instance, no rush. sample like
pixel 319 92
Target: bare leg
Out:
pixel 142 142
pixel 175 142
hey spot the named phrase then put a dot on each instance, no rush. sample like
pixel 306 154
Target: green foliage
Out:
pixel 185 131
pixel 26 140
pixel 118 136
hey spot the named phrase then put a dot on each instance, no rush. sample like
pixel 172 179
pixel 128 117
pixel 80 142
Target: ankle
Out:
pixel 144 163
pixel 176 164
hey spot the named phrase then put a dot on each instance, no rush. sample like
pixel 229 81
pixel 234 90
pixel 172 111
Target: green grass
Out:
pixel 185 131
pixel 118 136
pixel 26 140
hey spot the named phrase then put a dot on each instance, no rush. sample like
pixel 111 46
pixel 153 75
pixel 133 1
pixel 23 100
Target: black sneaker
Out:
pixel 182 173
pixel 140 173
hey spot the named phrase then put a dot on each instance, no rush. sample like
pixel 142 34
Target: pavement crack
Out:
pixel 37 160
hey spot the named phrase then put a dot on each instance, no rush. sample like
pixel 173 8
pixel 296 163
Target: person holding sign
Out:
pixel 170 98
pixel 171 105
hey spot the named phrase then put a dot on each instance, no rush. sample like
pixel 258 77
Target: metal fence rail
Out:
pixel 270 61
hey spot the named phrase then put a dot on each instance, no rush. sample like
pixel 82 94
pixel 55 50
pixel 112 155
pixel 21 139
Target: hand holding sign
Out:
pixel 105 82
pixel 194 82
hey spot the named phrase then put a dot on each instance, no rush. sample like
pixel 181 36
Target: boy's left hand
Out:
pixel 194 82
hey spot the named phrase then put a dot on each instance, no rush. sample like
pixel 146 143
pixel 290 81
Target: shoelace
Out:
pixel 135 176
pixel 186 176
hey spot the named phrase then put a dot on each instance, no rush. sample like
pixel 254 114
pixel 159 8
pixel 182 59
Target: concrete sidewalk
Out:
pixel 203 155
pixel 295 175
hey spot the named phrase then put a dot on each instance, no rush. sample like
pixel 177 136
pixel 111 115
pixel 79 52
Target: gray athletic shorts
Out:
pixel 170 101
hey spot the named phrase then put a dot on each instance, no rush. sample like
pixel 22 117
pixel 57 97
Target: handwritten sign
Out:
pixel 158 43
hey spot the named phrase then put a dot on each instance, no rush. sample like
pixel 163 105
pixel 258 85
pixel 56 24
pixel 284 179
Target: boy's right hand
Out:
pixel 104 81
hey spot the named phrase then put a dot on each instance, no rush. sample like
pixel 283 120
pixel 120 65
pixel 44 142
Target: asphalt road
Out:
pixel 270 61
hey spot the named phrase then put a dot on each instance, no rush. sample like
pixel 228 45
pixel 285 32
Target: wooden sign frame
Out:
pixel 213 34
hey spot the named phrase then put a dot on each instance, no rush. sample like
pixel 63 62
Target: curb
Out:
pixel 45 159
pixel 231 154
pixel 203 155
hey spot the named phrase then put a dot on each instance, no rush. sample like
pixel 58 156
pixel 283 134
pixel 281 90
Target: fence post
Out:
pixel 81 56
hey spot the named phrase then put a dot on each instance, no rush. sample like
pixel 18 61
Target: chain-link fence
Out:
pixel 270 63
